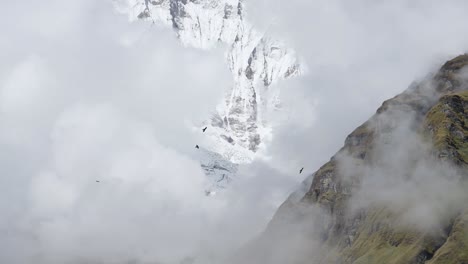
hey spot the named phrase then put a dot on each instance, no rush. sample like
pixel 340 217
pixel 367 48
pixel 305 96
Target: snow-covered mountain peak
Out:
pixel 239 128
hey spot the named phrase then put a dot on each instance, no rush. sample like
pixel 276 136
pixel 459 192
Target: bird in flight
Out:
pixel 204 129
pixel 301 170
pixel 197 147
pixel 98 181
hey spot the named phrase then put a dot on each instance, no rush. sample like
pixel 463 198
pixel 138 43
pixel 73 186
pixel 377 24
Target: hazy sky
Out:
pixel 86 96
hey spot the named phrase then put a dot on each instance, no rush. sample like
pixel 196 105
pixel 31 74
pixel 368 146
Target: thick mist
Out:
pixel 98 163
pixel 406 176
pixel 97 159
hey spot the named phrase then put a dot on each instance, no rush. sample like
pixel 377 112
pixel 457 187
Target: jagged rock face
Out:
pixel 256 61
pixel 437 111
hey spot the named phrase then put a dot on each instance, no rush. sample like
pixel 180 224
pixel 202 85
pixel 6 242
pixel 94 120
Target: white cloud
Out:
pixel 86 96
pixel 145 194
pixel 78 106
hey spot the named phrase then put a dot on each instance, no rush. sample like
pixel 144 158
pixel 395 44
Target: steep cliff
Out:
pixel 395 193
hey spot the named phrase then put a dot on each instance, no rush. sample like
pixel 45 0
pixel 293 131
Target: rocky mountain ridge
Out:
pixel 395 193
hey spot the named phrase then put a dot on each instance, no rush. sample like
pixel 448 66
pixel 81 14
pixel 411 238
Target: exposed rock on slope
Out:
pixel 447 122
pixel 394 193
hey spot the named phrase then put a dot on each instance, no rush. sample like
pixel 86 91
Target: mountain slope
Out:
pixel 395 193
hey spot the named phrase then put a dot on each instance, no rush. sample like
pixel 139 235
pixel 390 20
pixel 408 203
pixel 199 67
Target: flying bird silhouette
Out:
pixel 197 147
pixel 301 170
pixel 204 129
pixel 97 181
